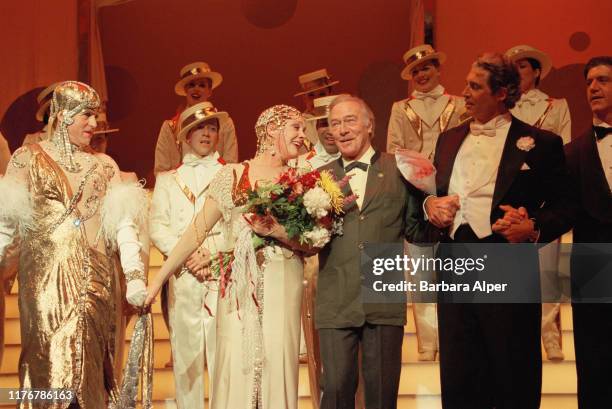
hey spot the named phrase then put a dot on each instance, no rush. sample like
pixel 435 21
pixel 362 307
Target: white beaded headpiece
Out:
pixel 277 115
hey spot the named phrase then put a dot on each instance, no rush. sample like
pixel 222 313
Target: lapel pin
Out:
pixel 381 175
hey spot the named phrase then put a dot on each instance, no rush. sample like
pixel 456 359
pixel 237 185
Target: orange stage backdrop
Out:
pixel 261 46
pixel 570 31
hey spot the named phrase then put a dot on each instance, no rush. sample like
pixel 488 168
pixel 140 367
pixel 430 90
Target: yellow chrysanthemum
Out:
pixel 331 187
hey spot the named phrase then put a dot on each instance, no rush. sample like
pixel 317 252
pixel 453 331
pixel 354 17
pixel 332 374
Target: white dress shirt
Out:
pixel 604 148
pixel 359 178
pixel 429 107
pixel 475 173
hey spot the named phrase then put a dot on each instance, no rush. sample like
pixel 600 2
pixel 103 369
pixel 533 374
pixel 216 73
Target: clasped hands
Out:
pixel 515 225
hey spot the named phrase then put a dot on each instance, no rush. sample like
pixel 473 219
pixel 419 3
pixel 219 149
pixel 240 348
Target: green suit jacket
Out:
pixel 391 211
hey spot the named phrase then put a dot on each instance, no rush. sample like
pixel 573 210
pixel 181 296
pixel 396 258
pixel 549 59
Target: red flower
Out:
pixel 288 177
pixel 310 179
pixel 326 222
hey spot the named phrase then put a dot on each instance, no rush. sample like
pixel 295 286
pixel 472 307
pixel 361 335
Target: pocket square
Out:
pixel 525 166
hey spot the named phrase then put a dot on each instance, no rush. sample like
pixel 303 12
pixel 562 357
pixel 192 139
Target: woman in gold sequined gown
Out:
pixel 258 313
pixel 67 205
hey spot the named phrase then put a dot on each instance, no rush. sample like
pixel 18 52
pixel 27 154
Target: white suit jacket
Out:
pixel 411 127
pixel 178 196
pixel 538 109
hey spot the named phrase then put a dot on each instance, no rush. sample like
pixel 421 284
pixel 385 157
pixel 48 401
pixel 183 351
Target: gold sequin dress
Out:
pixel 67 292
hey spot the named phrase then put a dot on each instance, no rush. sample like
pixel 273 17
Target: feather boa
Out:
pixel 16 207
pixel 123 201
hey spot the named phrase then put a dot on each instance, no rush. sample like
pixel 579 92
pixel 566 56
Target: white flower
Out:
pixel 318 237
pixel 317 202
pixel 525 143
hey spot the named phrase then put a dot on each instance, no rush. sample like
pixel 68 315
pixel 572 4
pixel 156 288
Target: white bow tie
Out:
pixel 480 129
pixel 531 98
pixel 434 94
pixel 194 160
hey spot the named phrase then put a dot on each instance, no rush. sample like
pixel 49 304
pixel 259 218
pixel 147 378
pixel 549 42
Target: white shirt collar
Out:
pixel 535 94
pixel 320 151
pixel 438 90
pixel 498 121
pixel 599 122
pixel 365 158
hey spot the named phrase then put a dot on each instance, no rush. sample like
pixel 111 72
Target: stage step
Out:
pixel 419 383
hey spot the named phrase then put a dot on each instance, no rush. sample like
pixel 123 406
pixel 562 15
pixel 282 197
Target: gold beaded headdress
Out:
pixel 277 115
pixel 71 98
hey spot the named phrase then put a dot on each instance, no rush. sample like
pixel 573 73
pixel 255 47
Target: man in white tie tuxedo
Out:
pixel 179 195
pixel 415 124
pixel 539 110
pixel 491 171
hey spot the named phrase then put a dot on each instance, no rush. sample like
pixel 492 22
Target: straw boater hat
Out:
pixel 195 115
pixel 44 101
pixel 103 126
pixel 520 52
pixel 194 71
pixel 419 55
pixel 321 107
pixel 314 81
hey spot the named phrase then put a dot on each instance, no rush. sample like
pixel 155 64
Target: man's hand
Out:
pixel 198 263
pixel 515 226
pixel 441 210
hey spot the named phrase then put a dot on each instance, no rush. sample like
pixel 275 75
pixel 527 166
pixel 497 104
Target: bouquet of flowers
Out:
pixel 309 204
pixel 417 169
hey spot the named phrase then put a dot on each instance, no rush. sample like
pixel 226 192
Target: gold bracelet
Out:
pixel 135 275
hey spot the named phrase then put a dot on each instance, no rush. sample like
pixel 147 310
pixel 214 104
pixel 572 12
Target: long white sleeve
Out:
pixel 160 230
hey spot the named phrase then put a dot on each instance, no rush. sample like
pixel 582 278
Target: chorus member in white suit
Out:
pixel 197 82
pixel 324 149
pixel 315 84
pixel 537 109
pixel 257 347
pixel 192 302
pixel 415 124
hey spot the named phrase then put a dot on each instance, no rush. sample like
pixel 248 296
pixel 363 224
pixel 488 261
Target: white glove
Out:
pixel 129 252
pixel 129 247
pixel 136 292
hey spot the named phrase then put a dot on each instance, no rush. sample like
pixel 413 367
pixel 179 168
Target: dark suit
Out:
pixel 490 354
pixel 591 273
pixel 390 212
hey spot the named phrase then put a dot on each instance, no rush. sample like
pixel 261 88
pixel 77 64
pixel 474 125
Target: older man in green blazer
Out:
pixel 387 210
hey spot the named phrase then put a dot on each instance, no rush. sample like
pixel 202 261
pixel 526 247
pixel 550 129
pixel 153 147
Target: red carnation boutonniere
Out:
pixel 525 143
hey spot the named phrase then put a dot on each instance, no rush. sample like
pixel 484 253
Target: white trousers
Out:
pixel 192 307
